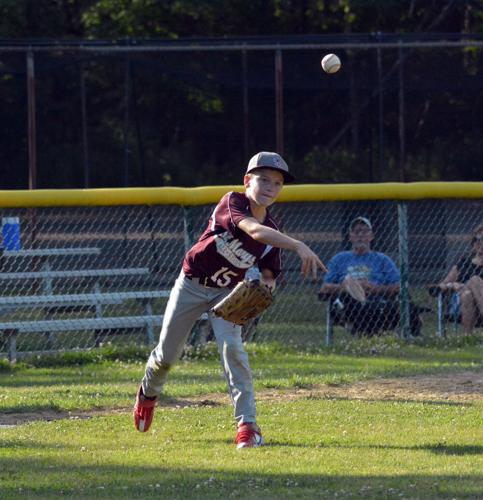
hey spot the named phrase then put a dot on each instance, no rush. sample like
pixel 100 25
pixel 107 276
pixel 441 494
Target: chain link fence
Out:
pixel 80 277
pixel 403 107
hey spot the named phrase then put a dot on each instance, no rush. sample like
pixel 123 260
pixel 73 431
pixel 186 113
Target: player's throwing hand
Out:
pixel 310 261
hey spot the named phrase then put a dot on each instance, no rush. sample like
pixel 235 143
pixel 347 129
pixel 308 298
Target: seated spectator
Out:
pixel 365 286
pixel 466 280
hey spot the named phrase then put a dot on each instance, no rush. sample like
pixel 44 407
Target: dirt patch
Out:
pixel 460 387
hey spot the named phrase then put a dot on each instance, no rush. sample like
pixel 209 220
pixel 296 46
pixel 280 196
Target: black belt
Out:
pixel 204 281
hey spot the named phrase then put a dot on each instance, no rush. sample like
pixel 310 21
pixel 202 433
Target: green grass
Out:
pixel 108 378
pixel 317 448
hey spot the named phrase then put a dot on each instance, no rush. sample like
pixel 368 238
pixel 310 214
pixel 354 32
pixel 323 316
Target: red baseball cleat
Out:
pixel 248 436
pixel 143 411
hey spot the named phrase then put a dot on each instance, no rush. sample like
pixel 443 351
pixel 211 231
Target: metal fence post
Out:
pixel 246 116
pixel 32 127
pixel 187 228
pixel 85 145
pixel 329 327
pixel 441 326
pixel 404 322
pixel 11 335
pixel 279 101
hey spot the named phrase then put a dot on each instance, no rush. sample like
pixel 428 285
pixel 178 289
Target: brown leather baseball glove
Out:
pixel 247 300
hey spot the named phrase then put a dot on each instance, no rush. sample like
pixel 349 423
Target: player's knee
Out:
pixel 158 366
pixel 233 349
pixel 233 346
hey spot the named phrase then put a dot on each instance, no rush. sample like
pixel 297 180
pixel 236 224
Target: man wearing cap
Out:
pixel 241 235
pixel 364 284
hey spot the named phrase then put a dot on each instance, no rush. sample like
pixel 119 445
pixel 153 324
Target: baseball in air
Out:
pixel 330 63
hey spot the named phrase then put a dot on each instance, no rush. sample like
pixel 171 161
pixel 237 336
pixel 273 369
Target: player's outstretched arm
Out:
pixel 310 261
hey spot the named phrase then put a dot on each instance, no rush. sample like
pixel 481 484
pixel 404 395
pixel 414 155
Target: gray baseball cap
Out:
pixel 361 220
pixel 266 159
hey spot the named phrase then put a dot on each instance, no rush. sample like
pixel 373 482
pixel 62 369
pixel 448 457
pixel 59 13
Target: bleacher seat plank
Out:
pixel 51 252
pixel 82 273
pixel 101 298
pixel 63 325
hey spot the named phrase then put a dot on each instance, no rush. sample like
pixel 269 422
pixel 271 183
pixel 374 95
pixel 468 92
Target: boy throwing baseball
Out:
pixel 240 234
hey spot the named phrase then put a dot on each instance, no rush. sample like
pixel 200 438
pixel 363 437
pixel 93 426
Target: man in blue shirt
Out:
pixel 364 285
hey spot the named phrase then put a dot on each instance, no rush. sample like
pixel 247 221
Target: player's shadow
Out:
pixel 166 401
pixel 434 402
pixel 270 444
pixel 442 448
pixel 437 448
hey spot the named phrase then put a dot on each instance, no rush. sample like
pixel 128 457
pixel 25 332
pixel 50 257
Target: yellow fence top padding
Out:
pixel 211 194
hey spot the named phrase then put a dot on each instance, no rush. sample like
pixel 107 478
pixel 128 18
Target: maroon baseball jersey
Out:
pixel 224 252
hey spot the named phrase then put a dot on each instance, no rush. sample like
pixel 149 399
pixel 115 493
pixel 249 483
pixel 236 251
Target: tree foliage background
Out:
pixel 177 118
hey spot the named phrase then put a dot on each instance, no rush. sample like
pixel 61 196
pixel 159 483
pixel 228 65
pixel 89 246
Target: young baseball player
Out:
pixel 240 234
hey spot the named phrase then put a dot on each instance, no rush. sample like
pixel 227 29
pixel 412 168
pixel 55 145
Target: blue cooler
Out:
pixel 11 233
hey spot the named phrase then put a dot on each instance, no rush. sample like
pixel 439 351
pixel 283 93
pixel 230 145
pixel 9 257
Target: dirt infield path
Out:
pixel 464 386
pixel 459 387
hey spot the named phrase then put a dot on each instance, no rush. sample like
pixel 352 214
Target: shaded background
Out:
pixel 183 93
